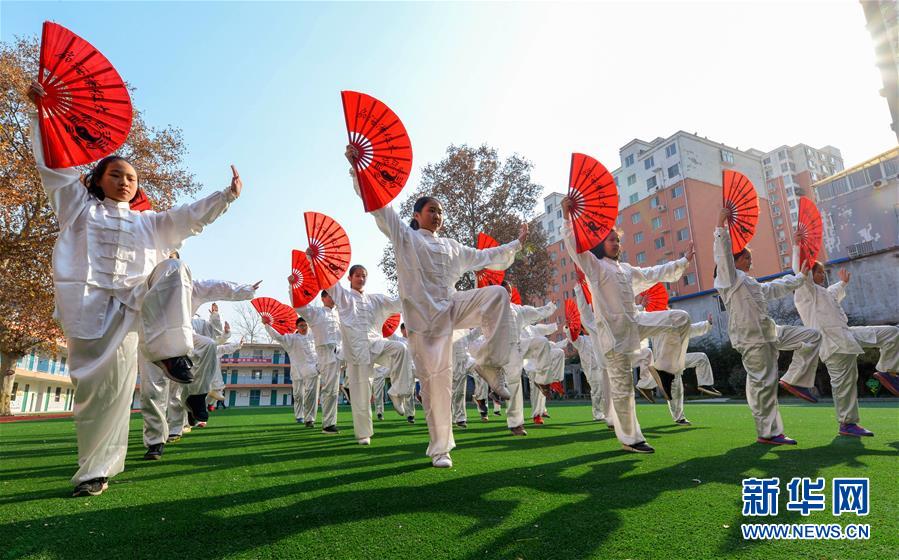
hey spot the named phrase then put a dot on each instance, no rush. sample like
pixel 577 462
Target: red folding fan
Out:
pixel 275 314
pixel 809 230
pixel 573 318
pixel 742 203
pixel 488 277
pixel 557 388
pixel 86 112
pixel 385 151
pixel 330 248
pixel 592 190
pixel 390 325
pixel 140 202
pixel 303 284
pixel 655 298
pixel 515 296
pixel 585 286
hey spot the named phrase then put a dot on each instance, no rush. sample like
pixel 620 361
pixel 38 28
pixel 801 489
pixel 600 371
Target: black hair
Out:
pixel 299 320
pixel 356 267
pixel 325 293
pixel 418 207
pixel 737 255
pixel 402 325
pixel 92 179
pixel 599 250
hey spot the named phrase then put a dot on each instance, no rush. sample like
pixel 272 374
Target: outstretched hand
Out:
pixel 35 92
pixel 236 183
pixel 691 251
pixel 709 319
pixel 256 285
pixel 523 233
pixel 723 216
pixel 845 275
pixel 227 328
pixel 214 308
pixel 566 205
pixel 351 154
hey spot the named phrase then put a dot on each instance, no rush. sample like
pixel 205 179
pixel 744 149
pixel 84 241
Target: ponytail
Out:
pixel 413 223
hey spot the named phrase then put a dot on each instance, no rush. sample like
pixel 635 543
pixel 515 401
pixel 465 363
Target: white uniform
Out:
pixel 115 288
pixel 361 318
pixel 620 327
pixel 522 316
pixel 600 395
pixel 324 323
pixel 427 268
pixel 304 371
pixel 758 339
pixel 462 363
pixel 820 309
pixel 584 347
pixel 377 388
pixel 696 360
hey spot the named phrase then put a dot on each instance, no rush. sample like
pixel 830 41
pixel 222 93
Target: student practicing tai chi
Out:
pixel 114 288
pixel 324 322
pixel 621 327
pixel 600 396
pixel 300 348
pixel 361 318
pixel 758 339
pixel 819 308
pixel 427 268
pixel 462 364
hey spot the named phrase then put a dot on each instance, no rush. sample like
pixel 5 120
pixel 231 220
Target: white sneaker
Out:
pixel 496 379
pixel 365 441
pixel 398 403
pixel 442 461
pixel 201 424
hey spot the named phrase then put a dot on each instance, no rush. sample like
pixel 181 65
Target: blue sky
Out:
pixel 257 85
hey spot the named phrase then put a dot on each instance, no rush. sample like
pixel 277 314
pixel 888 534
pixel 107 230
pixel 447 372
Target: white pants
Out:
pixel 538 401
pixel 310 396
pixel 670 333
pixel 487 308
pixel 394 356
pixel 597 393
pixel 329 367
pixel 154 398
pixel 480 387
pixel 886 339
pixel 804 343
pixel 843 371
pixel 760 363
pixel 299 393
pixel 621 389
pixel 460 380
pixel 515 404
pixel 206 365
pixel 696 360
pixel 377 387
pixel 700 361
pixel 104 370
pixel 676 404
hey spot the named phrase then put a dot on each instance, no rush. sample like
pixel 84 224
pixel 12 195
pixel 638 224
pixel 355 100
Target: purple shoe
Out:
pixel 777 440
pixel 854 430
pixel 890 382
pixel 800 392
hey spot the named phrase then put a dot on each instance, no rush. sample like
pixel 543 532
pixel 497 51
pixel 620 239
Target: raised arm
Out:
pixel 724 257
pixel 782 286
pixel 65 192
pixel 586 311
pixel 531 315
pixel 701 328
pixel 838 290
pixel 494 258
pixel 205 291
pixel 644 278
pixel 280 339
pixel 228 348
pixel 544 329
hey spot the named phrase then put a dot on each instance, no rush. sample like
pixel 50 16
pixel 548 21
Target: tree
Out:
pixel 481 194
pixel 28 227
pixel 249 324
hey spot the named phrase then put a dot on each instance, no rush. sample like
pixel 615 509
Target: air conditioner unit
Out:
pixel 661 208
pixel 877 184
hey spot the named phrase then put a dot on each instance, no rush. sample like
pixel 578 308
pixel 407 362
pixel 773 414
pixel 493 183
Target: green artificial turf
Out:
pixel 254 484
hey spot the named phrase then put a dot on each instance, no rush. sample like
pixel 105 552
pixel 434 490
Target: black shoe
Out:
pixel 641 447
pixel 518 431
pixel 497 413
pixel 93 487
pixel 310 424
pixel 300 421
pixel 178 369
pixel 546 415
pixel 196 404
pixel 709 390
pixel 410 419
pixel 380 416
pixel 482 406
pixel 330 430
pixel 683 422
pixel 191 419
pixel 154 452
pixel 462 424
pixel 667 379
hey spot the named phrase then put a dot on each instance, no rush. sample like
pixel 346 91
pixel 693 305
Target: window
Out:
pixel 648 162
pixel 257 374
pixel 680 212
pixel 558 213
pixel 555 287
pixel 564 261
pixel 635 218
pixel 784 167
pixel 792 204
pixel 566 294
pixel 550 226
pixel 781 235
pixel 634 198
pixel 549 207
pixel 778 222
pixel 767 161
pixel 275 376
pixel 785 261
pixel 677 192
pixel 638 237
pixel 792 167
pixel 656 222
pixel 651 182
pixel 673 171
pixel 641 257
pixel 660 242
pixel 56 395
pixel 631 179
pixel 727 156
pixel 670 150
pixel 654 203
pixel 689 279
pixel 565 279
pixel 629 160
pixel 782 155
pixel 623 256
pixel 683 234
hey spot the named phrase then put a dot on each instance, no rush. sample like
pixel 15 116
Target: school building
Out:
pixel 257 375
pixel 42 383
